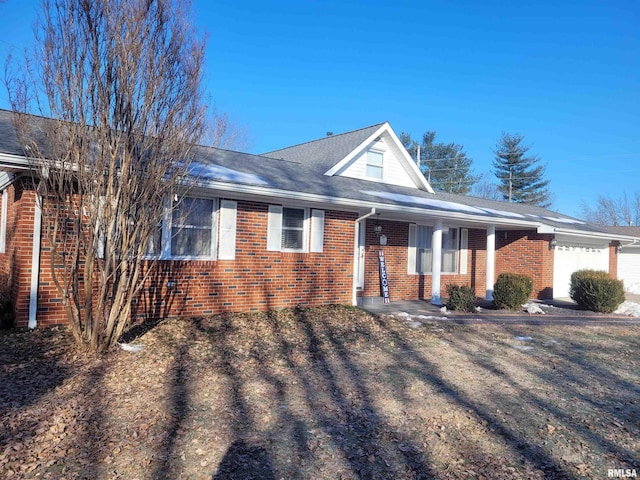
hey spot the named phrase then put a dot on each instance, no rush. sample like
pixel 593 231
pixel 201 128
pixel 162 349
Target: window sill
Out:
pixel 181 259
pixel 430 273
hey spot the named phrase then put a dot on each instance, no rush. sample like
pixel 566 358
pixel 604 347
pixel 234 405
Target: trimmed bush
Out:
pixel 511 291
pixel 461 297
pixel 595 290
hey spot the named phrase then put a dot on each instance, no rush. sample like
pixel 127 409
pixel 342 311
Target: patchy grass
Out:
pixel 323 393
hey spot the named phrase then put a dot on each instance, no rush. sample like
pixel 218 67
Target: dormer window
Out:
pixel 374 165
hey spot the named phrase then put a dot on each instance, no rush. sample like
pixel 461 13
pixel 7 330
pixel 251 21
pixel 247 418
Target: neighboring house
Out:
pixel 304 225
pixel 629 258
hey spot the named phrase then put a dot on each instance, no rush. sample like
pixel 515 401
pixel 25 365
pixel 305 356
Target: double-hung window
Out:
pixel 421 249
pixel 192 228
pixel 424 252
pixel 374 164
pixel 196 228
pixel 292 237
pixel 292 229
pixel 450 245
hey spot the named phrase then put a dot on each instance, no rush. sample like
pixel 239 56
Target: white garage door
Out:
pixel 629 266
pixel 569 257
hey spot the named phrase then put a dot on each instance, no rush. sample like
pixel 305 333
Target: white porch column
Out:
pixel 491 260
pixel 436 262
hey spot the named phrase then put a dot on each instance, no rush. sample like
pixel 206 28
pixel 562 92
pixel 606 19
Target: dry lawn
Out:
pixel 323 393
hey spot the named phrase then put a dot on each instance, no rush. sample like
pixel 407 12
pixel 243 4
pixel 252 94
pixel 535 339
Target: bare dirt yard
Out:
pixel 324 393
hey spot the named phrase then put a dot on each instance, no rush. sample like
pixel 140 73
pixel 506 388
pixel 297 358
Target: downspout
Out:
pixel 356 232
pixel 35 263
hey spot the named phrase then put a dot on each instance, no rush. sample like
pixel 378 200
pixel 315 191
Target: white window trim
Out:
pixel 312 234
pixel 463 251
pixel 228 221
pixel 412 249
pixel 305 231
pixel 382 169
pixel 214 232
pixel 317 231
pixel 217 252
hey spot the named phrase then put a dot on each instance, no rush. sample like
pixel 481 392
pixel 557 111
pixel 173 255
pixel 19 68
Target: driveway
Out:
pixel 557 312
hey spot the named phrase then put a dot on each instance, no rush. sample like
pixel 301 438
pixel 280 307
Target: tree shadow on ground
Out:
pixel 303 402
pixel 33 364
pixel 246 461
pixel 335 393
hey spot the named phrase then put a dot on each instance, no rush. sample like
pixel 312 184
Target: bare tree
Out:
pixel 121 82
pixel 484 188
pixel 608 211
pixel 222 132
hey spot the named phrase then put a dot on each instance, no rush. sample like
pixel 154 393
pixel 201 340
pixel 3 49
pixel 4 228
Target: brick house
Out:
pixel 304 226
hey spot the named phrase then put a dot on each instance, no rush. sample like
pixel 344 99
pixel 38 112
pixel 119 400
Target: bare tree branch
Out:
pixel 120 80
pixel 609 211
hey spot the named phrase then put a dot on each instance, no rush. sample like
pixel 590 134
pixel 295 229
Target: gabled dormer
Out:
pixel 381 157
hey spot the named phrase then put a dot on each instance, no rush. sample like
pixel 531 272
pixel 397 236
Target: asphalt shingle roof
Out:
pixel 324 153
pixel 299 170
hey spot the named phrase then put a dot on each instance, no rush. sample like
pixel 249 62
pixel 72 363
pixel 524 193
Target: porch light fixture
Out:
pixel 618 248
pixel 552 243
pixel 377 228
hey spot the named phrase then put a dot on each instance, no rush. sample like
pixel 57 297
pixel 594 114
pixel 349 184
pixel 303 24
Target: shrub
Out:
pixel 461 297
pixel 595 290
pixel 512 290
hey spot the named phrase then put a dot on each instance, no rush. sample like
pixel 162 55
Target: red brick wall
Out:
pixel 255 280
pixel 15 263
pixel 613 259
pixel 262 280
pixel 528 253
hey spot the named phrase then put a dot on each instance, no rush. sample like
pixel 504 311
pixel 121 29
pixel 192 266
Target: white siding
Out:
pixel 394 172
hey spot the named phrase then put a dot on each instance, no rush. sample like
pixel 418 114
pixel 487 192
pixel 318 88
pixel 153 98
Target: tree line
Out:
pixel 519 175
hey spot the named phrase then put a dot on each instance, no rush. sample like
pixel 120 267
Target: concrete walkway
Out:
pixel 560 312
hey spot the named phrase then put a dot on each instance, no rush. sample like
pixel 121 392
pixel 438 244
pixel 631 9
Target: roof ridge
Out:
pixel 257 155
pixel 324 138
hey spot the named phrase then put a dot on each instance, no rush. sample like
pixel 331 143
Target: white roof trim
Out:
pixel 340 203
pixel 6 179
pixel 14 162
pixel 584 234
pixel 414 171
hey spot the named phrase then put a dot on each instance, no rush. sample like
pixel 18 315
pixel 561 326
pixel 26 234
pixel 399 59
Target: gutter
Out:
pixel 250 191
pixel 15 162
pixel 594 235
pixel 356 234
pixel 35 263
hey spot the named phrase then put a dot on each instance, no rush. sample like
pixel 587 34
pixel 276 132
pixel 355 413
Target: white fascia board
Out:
pixel 11 162
pixel 6 179
pixel 594 235
pixel 342 163
pixel 415 173
pixel 253 192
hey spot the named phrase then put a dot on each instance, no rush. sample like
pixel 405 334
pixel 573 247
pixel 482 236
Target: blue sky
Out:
pixel 564 74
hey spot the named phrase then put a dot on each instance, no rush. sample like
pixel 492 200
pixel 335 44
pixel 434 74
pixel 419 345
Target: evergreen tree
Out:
pixel 445 165
pixel 520 176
